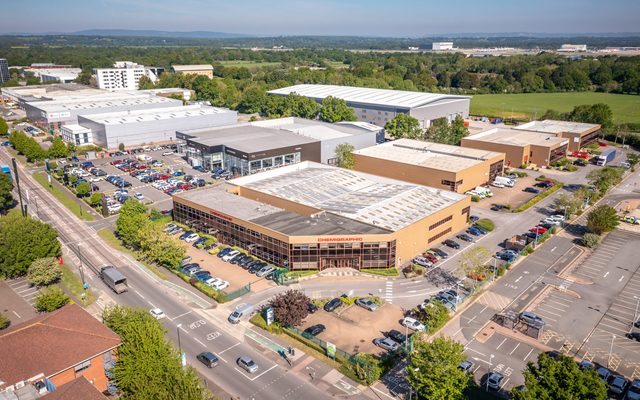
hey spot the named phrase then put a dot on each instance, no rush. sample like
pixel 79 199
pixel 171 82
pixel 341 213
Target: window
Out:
pixel 465 210
pixel 439 235
pixel 453 186
pixel 441 222
pixel 82 366
pixel 332 161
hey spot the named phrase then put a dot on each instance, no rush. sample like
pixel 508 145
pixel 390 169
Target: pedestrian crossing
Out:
pixel 388 292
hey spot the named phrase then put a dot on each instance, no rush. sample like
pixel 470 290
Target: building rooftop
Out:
pixel 257 136
pixel 369 96
pixel 49 92
pixel 154 114
pixel 557 127
pixel 51 343
pixel 195 67
pixel 78 389
pixel 386 203
pixel 429 155
pixel 517 137
pixel 102 101
pixel 75 128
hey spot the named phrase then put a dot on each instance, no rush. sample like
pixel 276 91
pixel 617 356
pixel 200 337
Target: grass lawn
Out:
pixel 381 271
pixel 531 105
pixel 247 64
pixel 72 282
pixel 63 197
pixel 110 238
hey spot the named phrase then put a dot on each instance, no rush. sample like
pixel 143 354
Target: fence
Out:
pixel 237 293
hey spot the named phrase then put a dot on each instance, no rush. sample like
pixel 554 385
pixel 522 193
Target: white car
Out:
pixel 95 179
pixel 557 217
pixel 167 153
pixel 211 281
pixel 114 208
pixel 138 196
pixel 552 221
pixel 497 184
pixel 230 255
pixel 192 238
pixel 220 285
pixel 157 313
pixel 413 324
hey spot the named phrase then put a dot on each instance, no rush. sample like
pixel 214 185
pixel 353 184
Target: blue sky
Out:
pixel 411 18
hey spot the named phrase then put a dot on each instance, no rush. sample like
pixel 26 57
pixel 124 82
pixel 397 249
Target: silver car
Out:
pixel 367 303
pixel 247 363
pixel 386 344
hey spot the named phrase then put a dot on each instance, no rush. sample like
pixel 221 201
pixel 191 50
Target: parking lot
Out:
pixel 514 196
pixel 354 328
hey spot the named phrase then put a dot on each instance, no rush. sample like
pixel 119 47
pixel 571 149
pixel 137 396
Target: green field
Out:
pixel 533 105
pixel 247 64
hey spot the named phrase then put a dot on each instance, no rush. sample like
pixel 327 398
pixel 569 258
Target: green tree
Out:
pixel 96 199
pixel 603 218
pixel 144 83
pixel 84 77
pixel 148 366
pixel 433 372
pixel 290 307
pixel 434 316
pixel 83 189
pixel 162 249
pixel 590 240
pixel 336 110
pixel 44 271
pixel 132 216
pixel 252 100
pixel 24 240
pixel 344 155
pixel 561 379
pixel 404 126
pixel 50 299
pixel 6 186
pixel 121 147
pixel 58 149
pixel 4 321
pixel 439 132
pixel 457 131
pixel 569 202
pixel 4 127
pixel 633 159
pixel 599 113
pixel 604 178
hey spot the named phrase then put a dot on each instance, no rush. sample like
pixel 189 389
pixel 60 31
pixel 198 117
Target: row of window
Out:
pixel 441 222
pixel 439 235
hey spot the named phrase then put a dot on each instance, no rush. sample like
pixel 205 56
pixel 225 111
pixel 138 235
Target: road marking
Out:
pixel 17 315
pixel 621 278
pixel 514 349
pixel 554 248
pixel 383 393
pixel 181 315
pixel 198 340
pixel 257 376
pixel 501 343
pixel 471 320
pixel 528 354
pixel 456 332
pixel 229 348
pixel 605 275
pixel 518 280
pixel 476 351
pixel 138 293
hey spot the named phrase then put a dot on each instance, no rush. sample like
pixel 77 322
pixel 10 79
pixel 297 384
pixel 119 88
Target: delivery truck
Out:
pixel 114 279
pixel 606 157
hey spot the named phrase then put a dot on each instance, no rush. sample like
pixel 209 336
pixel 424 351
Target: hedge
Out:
pixel 557 185
pixel 486 224
pixel 218 296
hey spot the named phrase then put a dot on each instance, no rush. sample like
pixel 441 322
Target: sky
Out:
pixel 396 18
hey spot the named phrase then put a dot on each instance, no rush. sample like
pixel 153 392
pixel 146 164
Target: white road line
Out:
pixel 258 376
pixel 501 343
pixel 546 304
pixel 229 348
pixel 471 320
pixel 560 298
pixel 383 393
pixel 17 315
pixel 181 315
pixel 198 340
pixel 605 275
pixel 476 351
pixel 505 383
pixel 139 294
pixel 547 311
pixel 621 278
pixel 528 354
pixel 558 303
pixel 514 349
pixel 456 332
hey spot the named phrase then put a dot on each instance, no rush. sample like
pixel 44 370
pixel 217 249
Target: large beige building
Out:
pixel 315 216
pixel 200 69
pixel 520 146
pixel 579 134
pixel 454 168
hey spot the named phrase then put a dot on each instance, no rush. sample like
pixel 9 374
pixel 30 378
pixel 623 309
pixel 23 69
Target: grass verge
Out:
pixel 300 274
pixel 381 271
pixel 72 282
pixel 108 236
pixel 63 197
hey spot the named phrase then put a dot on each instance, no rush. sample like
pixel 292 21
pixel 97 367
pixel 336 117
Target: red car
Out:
pixel 142 166
pixel 579 154
pixel 114 162
pixel 538 230
pixel 430 257
pixel 162 177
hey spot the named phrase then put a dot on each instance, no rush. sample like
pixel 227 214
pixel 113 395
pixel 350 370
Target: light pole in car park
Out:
pixel 410 388
pixel 635 315
pixel 613 337
pixel 490 368
pixel 182 357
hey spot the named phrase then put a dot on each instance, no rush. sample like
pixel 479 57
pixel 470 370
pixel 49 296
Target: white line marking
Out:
pixel 198 340
pixel 605 275
pixel 476 351
pixel 514 349
pixel 518 280
pixel 527 356
pixel 181 315
pixel 229 348
pixel 17 315
pixel 138 293
pixel 501 343
pixel 621 278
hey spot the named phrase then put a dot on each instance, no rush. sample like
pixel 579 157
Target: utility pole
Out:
pixel 23 208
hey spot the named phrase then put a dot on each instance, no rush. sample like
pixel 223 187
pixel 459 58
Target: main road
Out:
pixel 191 321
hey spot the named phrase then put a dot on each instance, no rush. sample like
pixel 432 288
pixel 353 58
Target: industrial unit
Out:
pixel 4 70
pixel 248 148
pixel 315 216
pixel 454 168
pixel 377 106
pixel 579 134
pixel 53 114
pixel 521 147
pixel 156 125
pixel 55 91
pixel 199 69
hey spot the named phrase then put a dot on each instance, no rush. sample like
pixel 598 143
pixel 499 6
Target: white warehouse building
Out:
pixel 148 126
pixel 377 106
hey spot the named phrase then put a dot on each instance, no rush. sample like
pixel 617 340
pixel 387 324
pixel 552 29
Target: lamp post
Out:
pixel 635 316
pixel 613 337
pixel 182 358
pixel 490 368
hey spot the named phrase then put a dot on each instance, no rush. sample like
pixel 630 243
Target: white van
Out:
pixel 503 180
pixel 144 157
pixel 242 311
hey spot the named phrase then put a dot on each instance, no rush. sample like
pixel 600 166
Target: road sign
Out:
pixel 331 350
pixel 269 315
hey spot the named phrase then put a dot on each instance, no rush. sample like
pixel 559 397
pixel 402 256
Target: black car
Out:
pixel 315 330
pixel 440 253
pixel 633 336
pixel 236 259
pixel 637 324
pixel 311 308
pixel 200 241
pixel 250 264
pixel 465 237
pixel 257 267
pixel 208 358
pixel 246 260
pixel 497 207
pixel 332 304
pixel 474 218
pixel 396 336
pixel 543 185
pixel 546 226
pixel 451 243
pixel 531 190
pixel 184 235
pixel 580 162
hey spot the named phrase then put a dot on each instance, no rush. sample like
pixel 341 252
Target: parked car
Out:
pixel 157 313
pixel 208 358
pixel 604 373
pixel 433 259
pixel 413 324
pixel 386 343
pixel 497 207
pixel 474 218
pixel 167 153
pixel 634 390
pixel 224 252
pixel 192 237
pixel 247 363
pixel 423 262
pixel 315 330
pixel 544 184
pixel 367 304
pixel 220 285
pixel 467 366
pixel 311 308
pixel 265 270
pixel 332 304
pixel 230 255
pixel 397 336
pixel 494 380
pixel 618 384
pixel 633 336
pixel 531 318
pixel 531 190
pixel 465 237
pixel 538 229
pixel 440 253
pixel 235 259
pixel 451 243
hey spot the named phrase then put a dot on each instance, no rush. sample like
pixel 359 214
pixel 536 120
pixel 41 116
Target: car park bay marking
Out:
pixel 518 280
pixel 501 343
pixel 229 348
pixel 528 354
pixel 621 278
pixel 605 275
pixel 198 340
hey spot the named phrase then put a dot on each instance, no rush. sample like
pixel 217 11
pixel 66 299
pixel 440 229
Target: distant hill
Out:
pixel 152 33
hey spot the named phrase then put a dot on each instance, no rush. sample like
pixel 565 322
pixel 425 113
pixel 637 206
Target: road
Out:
pixel 201 327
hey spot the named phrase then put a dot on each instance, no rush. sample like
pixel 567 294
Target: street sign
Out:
pixel 184 359
pixel 331 350
pixel 269 315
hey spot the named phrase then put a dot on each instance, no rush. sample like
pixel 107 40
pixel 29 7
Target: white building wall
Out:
pixel 328 147
pixel 119 78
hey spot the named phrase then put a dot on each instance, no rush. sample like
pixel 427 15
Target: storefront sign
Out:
pixel 340 239
pixel 217 214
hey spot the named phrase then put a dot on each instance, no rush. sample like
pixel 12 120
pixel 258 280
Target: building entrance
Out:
pixel 339 263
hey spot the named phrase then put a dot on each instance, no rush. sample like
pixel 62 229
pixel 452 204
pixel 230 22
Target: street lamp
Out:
pixel 613 337
pixel 635 316
pixel 490 368
pixel 178 330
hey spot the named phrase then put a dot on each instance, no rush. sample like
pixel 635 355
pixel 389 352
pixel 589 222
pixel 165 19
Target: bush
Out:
pixel 4 321
pixel 475 199
pixel 486 224
pixel 50 299
pixel 539 197
pixel 590 240
pixel 44 271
